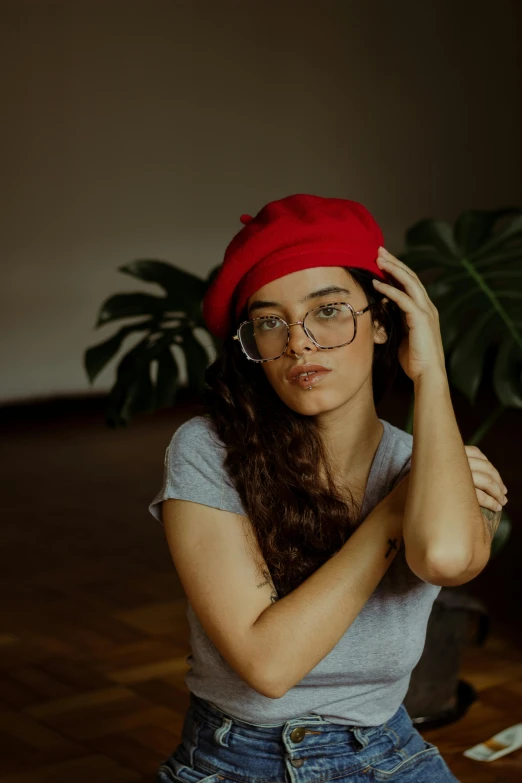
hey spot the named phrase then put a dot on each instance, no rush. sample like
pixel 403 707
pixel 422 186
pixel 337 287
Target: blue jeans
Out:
pixel 219 748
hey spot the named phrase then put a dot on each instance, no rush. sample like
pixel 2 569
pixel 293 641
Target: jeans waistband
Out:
pixel 213 716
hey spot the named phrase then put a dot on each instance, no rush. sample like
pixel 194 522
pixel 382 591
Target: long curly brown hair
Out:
pixel 299 520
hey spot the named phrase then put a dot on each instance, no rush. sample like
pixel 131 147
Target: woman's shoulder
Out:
pixel 401 440
pixel 197 435
pixel 195 451
pixel 194 469
pixel 398 453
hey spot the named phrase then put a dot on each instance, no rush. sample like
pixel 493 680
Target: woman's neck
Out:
pixel 352 436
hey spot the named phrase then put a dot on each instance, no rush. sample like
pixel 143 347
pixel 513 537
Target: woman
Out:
pixel 310 536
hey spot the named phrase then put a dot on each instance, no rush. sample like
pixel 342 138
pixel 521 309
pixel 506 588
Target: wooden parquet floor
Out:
pixel 93 633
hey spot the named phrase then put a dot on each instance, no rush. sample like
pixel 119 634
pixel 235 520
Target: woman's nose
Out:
pixel 298 340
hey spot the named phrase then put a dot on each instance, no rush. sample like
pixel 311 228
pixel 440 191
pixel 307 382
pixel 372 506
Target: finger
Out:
pixel 410 283
pixel 481 463
pixel 488 484
pixel 386 255
pixel 407 303
pixel 476 452
pixel 486 501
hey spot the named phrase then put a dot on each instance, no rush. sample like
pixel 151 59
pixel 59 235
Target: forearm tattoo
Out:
pixel 268 581
pixel 392 544
pixel 491 521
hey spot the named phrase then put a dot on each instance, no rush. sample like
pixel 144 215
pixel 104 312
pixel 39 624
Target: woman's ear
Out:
pixel 380 335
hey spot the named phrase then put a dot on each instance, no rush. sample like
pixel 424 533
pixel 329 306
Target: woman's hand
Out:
pixel 488 484
pixel 421 350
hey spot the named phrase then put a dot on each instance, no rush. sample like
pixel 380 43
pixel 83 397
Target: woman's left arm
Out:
pixel 448 534
pixel 447 538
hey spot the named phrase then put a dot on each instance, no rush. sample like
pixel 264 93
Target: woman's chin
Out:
pixel 309 402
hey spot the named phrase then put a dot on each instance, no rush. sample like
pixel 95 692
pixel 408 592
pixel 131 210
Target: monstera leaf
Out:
pixel 166 320
pixel 478 293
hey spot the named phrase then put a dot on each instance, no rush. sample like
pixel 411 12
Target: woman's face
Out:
pixel 348 368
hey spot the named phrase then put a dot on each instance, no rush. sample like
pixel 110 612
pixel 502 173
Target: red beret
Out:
pixel 295 232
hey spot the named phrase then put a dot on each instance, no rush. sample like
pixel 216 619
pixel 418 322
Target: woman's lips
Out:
pixel 304 381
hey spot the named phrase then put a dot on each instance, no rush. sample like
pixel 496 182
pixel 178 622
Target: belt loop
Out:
pixel 221 734
pixel 361 738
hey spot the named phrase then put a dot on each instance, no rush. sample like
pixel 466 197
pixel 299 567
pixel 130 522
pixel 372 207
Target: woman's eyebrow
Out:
pixel 331 289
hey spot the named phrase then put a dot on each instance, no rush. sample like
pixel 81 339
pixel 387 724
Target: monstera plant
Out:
pixel 173 319
pixel 477 289
pixel 478 293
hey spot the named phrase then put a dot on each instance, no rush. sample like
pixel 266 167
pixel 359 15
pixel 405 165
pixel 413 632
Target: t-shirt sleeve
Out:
pixel 400 456
pixel 405 469
pixel 194 470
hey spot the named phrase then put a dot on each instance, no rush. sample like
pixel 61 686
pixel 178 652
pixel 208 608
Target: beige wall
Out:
pixel 144 128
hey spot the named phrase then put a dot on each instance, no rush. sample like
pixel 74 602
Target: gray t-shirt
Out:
pixel 365 677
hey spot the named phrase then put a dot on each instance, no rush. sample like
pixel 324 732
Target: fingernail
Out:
pixel 504 501
pixel 499 507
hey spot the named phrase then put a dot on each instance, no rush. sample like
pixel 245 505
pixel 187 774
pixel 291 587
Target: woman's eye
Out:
pixel 330 311
pixel 270 324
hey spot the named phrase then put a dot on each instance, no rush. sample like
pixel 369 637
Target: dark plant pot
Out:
pixel 436 696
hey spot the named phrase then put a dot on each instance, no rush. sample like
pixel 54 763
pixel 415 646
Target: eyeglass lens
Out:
pixel 266 337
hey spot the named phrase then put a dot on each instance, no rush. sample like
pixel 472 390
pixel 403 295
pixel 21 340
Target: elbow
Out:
pixel 274 693
pixel 265 684
pixel 265 671
pixel 446 569
pixel 270 688
pixel 260 670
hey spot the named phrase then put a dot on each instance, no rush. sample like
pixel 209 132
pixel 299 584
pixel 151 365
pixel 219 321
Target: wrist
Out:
pixel 435 380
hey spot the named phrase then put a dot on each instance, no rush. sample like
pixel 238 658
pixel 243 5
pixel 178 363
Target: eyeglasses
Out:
pixel 328 326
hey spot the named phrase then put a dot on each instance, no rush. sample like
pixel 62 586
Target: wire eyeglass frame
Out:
pixel 355 313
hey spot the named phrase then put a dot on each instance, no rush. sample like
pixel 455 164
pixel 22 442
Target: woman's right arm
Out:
pixel 271 644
